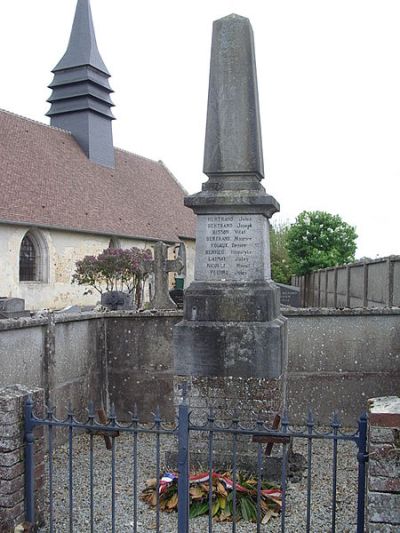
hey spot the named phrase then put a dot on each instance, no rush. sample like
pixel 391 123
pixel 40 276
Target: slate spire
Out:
pixel 80 101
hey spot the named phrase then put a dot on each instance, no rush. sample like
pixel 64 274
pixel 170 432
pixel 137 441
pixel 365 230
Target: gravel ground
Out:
pixel 296 494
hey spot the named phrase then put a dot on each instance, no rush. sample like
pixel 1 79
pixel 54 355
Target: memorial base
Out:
pixel 230 349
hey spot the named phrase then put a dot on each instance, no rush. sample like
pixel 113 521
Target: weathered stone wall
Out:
pixel 337 359
pixel 383 501
pixel 370 283
pixel 140 362
pixel 60 252
pixel 59 353
pixel 12 401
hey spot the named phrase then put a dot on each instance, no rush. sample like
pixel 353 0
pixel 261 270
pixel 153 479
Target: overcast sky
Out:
pixel 329 87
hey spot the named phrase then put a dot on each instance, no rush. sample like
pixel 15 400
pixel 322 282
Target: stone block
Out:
pixel 11 486
pixel 289 295
pixel 385 412
pixel 240 349
pixel 11 516
pixel 12 305
pixel 11 472
pixel 382 528
pixel 384 508
pixel 117 300
pixel 379 435
pixel 384 461
pixel 383 484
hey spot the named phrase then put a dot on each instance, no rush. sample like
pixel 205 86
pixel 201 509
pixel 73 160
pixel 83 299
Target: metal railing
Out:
pixel 111 428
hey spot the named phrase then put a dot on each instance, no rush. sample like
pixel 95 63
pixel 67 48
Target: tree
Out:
pixel 318 240
pixel 115 269
pixel 281 269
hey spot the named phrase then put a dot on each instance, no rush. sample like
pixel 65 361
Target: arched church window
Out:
pixel 33 257
pixel 27 260
pixel 114 243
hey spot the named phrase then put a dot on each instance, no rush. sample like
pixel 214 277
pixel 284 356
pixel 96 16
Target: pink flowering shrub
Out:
pixel 115 269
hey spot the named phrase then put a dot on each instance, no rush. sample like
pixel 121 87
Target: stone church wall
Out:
pixel 61 249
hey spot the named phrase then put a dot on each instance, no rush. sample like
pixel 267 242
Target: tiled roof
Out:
pixel 46 180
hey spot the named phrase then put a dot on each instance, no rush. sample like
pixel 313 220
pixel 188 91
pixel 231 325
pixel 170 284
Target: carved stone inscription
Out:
pixel 231 248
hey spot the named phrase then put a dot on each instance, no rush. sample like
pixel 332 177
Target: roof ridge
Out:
pixel 173 176
pixel 123 150
pixel 34 121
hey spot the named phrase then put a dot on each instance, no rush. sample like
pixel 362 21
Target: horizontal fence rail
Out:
pixel 109 428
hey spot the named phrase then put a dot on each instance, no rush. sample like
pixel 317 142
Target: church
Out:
pixel 68 192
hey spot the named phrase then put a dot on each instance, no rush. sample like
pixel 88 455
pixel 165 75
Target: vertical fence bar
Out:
pixel 113 424
pixel 135 464
pixel 113 484
pixel 235 424
pixel 211 420
pixel 335 426
pixel 310 426
pixel 157 421
pixel 70 468
pixel 284 424
pixel 183 467
pixel 91 465
pixel 362 458
pixel 50 446
pixel 259 476
pixel 29 463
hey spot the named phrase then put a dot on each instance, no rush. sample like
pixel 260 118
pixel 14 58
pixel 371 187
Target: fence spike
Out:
pixel 335 420
pixel 90 410
pixel 235 416
pixel 285 420
pixel 157 417
pixel 310 418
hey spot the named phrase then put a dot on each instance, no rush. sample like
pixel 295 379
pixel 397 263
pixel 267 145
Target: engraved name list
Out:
pixel 232 247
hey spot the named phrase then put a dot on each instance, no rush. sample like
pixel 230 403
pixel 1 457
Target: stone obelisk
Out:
pixel 232 331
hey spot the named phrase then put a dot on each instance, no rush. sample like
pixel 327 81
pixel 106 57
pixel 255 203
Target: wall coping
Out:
pixel 384 411
pixel 28 322
pixel 330 311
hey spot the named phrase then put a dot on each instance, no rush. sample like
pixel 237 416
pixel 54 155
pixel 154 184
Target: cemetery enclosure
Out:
pixel 337 359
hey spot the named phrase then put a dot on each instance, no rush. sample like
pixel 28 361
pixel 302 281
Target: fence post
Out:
pixel 390 274
pixel 365 288
pixel 335 282
pixel 348 286
pixel 362 458
pixel 183 466
pixel 29 463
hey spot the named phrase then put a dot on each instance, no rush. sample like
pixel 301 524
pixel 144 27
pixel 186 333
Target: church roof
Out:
pixel 46 180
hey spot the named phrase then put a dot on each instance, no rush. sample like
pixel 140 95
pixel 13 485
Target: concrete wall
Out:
pixel 59 354
pixel 337 359
pixel 374 283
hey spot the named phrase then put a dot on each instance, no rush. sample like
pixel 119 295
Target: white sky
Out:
pixel 329 86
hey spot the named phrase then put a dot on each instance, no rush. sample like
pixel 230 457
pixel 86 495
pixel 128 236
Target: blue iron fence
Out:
pixel 110 428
